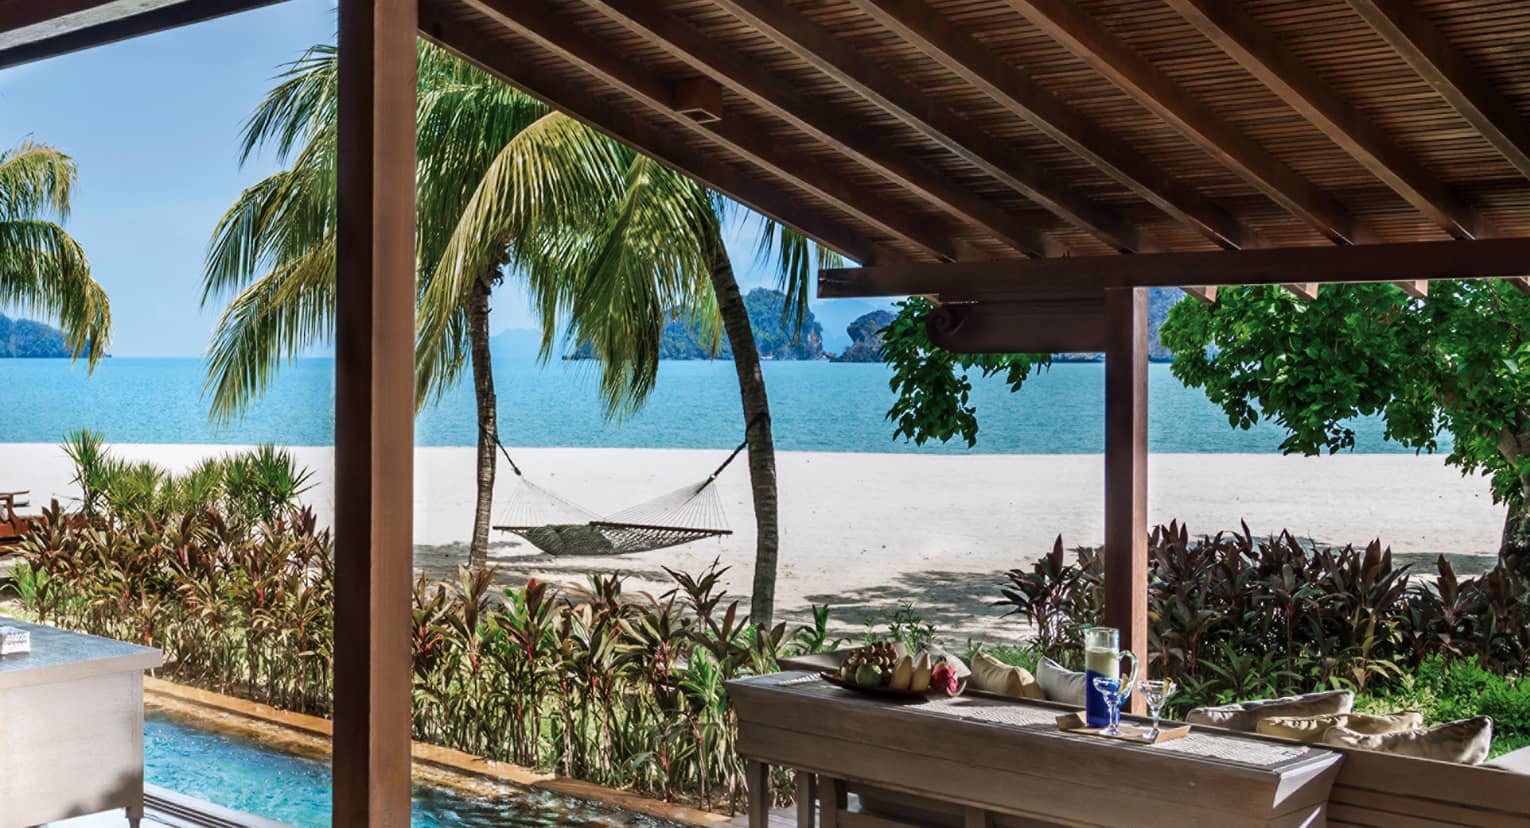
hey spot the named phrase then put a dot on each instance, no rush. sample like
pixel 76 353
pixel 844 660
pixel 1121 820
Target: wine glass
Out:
pixel 1156 692
pixel 1110 690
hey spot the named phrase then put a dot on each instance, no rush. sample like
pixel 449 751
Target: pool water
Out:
pixel 238 773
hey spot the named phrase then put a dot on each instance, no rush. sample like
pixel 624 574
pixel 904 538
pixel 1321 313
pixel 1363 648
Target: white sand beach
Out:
pixel 866 532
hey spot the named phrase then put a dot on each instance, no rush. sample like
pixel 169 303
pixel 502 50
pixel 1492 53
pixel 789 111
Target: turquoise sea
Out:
pixel 817 406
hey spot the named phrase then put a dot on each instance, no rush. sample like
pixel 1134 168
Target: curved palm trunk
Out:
pixel 488 422
pixel 762 450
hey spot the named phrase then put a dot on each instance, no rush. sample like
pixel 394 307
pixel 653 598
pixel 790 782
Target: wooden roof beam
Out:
pixel 1011 87
pixel 1026 279
pixel 1260 52
pixel 555 33
pixel 19 47
pixel 1451 74
pixel 1110 56
pixel 924 113
pixel 579 100
pixel 748 79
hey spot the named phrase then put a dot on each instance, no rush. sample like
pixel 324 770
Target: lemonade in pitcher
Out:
pixel 1102 658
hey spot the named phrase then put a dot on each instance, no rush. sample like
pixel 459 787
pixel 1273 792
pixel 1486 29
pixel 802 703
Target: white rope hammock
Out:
pixel 558 526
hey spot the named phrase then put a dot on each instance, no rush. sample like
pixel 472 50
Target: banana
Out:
pixel 919 680
pixel 903 674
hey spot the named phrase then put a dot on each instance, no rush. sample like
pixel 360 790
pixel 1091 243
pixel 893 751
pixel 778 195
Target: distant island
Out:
pixel 25 339
pixel 777 340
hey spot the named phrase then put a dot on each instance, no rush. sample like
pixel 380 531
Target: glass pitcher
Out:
pixel 1102 657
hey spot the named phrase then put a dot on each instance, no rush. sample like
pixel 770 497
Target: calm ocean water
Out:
pixel 817 406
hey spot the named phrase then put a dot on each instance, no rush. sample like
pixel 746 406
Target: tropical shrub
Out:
pixel 220 569
pixel 1231 617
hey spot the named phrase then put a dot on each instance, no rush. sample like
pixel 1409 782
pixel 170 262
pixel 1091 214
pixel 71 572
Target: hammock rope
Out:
pixel 558 526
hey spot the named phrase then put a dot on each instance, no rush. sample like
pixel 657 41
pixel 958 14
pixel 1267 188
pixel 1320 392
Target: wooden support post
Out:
pixel 374 411
pixel 757 786
pixel 834 799
pixel 807 799
pixel 1126 455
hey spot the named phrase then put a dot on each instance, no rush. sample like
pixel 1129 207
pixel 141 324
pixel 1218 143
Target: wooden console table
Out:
pixel 71 727
pixel 982 761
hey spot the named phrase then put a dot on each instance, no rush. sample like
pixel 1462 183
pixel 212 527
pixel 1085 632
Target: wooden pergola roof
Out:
pixel 1004 154
pixel 901 131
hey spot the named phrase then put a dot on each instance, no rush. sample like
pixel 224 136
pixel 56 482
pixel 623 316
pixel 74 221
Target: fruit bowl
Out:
pixel 888 669
pixel 911 695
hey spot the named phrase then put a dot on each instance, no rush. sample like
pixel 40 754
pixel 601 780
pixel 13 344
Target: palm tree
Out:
pixel 795 258
pixel 503 183
pixel 609 240
pixel 43 270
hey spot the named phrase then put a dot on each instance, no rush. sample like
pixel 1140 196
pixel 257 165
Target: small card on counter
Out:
pixel 14 640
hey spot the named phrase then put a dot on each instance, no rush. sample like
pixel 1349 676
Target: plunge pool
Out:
pixel 242 774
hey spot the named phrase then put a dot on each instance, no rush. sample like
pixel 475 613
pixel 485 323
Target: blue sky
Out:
pixel 153 124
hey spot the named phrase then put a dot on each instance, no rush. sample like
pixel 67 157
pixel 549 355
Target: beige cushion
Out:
pixel 1245 716
pixel 1060 684
pixel 994 676
pixel 1312 728
pixel 1464 742
pixel 1517 761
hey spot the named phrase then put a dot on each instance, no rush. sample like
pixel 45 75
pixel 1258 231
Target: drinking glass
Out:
pixel 1110 690
pixel 1156 692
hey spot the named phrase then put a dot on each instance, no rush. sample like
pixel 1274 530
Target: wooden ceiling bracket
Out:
pixel 699 98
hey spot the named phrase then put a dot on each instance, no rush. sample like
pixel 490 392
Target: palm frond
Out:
pixel 35 182
pixel 274 320
pixel 620 281
pixel 302 105
pixel 44 273
pixel 796 259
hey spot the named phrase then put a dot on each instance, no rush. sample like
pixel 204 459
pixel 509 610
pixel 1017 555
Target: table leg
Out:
pixel 757 781
pixel 134 815
pixel 835 799
pixel 807 799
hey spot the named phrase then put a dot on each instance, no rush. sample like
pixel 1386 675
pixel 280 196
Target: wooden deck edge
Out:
pixel 316 730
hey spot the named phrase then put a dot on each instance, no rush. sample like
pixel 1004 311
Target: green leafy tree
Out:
pixel 933 385
pixel 43 270
pixel 1456 362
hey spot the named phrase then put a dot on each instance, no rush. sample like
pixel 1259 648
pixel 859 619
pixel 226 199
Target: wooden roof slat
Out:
pixel 581 101
pixel 960 53
pixel 1451 74
pixel 556 33
pixel 765 90
pixel 845 64
pixel 1085 37
pixel 1261 53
